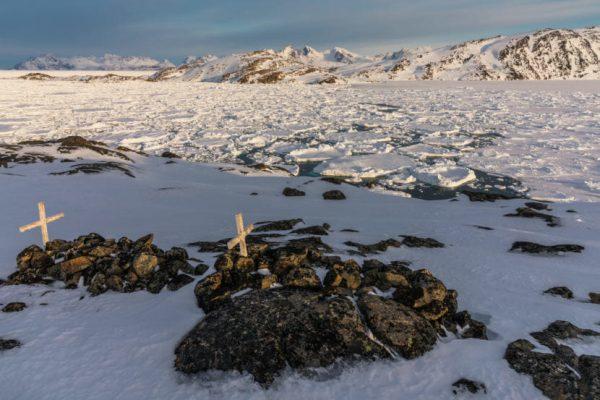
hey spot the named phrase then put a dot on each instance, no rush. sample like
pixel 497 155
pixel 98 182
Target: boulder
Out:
pixel 594 297
pixel 34 258
pixel 291 192
pixel 343 276
pixel 561 291
pixel 263 332
pixel 14 307
pixel 334 195
pixel 144 264
pixel 302 277
pixel 179 281
pixel 424 289
pixel 398 326
pixel 414 241
pixel 75 265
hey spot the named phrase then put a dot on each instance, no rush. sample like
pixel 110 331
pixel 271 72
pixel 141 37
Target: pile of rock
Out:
pixel 292 305
pixel 103 264
pixel 560 374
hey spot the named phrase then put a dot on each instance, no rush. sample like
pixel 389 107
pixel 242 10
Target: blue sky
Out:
pixel 176 28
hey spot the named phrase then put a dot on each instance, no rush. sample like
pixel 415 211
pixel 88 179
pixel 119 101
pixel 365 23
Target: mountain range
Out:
pixel 541 55
pixel 107 62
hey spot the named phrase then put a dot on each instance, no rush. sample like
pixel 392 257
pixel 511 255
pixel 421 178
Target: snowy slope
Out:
pixel 121 345
pixel 540 55
pixel 108 62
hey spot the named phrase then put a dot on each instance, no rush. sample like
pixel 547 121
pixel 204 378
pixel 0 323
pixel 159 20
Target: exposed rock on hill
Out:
pixel 271 310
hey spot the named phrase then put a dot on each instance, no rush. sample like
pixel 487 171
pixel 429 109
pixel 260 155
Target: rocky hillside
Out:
pixel 108 62
pixel 544 54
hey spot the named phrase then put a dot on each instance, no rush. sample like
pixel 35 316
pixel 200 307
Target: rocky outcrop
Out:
pixel 536 248
pixel 561 374
pixel 106 264
pixel 271 310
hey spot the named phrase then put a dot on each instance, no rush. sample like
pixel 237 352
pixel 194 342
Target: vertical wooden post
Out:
pixel 43 222
pixel 239 222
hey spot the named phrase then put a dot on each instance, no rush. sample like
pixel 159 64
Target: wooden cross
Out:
pixel 42 223
pixel 241 237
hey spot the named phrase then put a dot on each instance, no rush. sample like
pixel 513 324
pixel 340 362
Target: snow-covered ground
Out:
pixel 546 134
pixel 120 346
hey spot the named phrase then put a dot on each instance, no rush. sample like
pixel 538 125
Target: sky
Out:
pixel 174 29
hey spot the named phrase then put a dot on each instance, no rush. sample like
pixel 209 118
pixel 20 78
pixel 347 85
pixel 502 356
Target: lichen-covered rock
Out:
pixel 264 331
pixel 144 264
pixel 398 326
pixel 302 277
pixel 343 276
pixel 424 289
pixel 560 375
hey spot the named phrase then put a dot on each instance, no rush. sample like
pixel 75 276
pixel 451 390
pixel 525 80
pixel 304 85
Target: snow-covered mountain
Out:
pixel 543 54
pixel 108 62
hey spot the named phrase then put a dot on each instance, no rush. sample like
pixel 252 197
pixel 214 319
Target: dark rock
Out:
pixel 483 196
pixel 177 253
pixel 385 276
pixel 168 154
pixel 312 230
pixel 115 283
pixel 349 230
pixel 283 225
pixel 561 291
pixel 414 241
pixel 7 344
pixel 536 205
pixel 594 297
pixel 555 378
pixel 334 180
pixel 179 281
pixel 398 326
pixel 14 307
pixel 334 195
pixel 535 248
pixel 424 289
pixel 157 282
pixel 200 269
pixel 471 328
pixel 526 212
pixel 343 276
pixel 34 258
pixel 374 248
pixel 210 247
pixel 464 385
pixel 264 331
pixel 291 192
pixel 560 375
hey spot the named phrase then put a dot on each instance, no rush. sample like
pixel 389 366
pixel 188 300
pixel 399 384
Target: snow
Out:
pixel 121 345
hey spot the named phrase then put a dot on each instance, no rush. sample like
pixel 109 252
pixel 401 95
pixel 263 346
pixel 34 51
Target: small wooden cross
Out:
pixel 241 237
pixel 43 222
